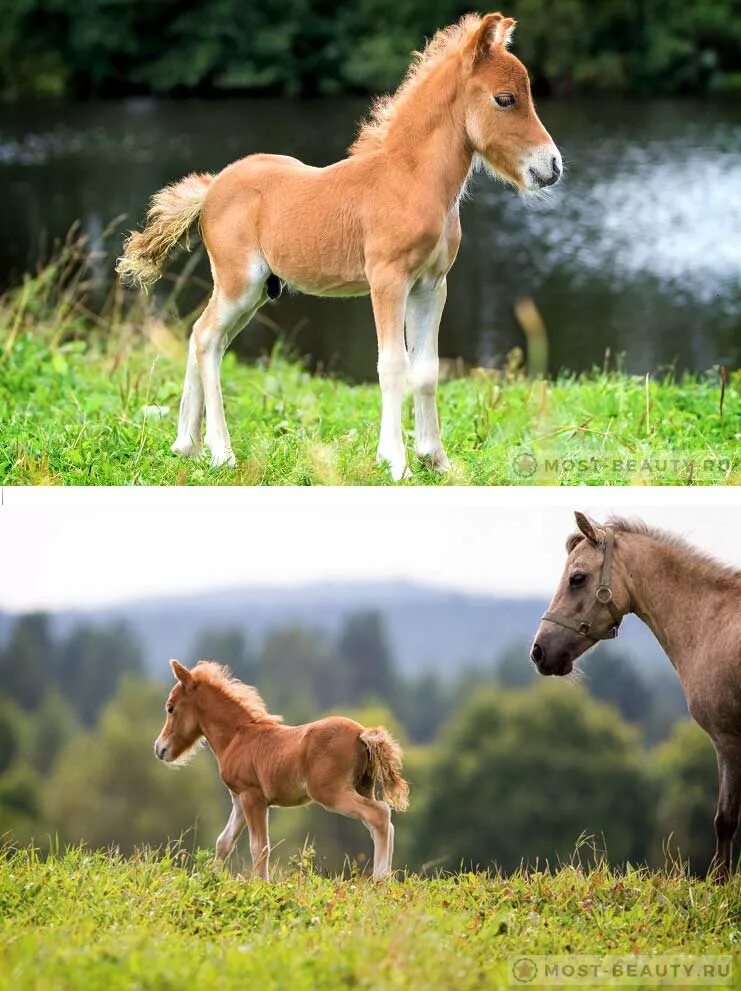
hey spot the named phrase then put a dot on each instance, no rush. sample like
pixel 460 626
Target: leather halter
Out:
pixel 603 600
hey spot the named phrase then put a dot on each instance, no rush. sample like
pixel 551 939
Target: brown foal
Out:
pixel 335 762
pixel 383 221
pixel 690 602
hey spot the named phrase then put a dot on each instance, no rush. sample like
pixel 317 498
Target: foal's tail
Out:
pixel 171 212
pixel 385 766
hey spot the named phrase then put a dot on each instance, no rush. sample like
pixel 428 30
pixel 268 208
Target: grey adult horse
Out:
pixel 692 605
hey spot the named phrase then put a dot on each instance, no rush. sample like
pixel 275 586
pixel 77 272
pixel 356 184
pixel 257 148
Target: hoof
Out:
pixel 435 460
pixel 187 448
pixel 221 459
pixel 398 469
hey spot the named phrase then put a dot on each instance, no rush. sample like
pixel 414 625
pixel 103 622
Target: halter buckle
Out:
pixel 603 594
pixel 584 629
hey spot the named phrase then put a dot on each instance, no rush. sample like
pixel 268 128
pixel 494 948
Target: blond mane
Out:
pixel 444 43
pixel 246 696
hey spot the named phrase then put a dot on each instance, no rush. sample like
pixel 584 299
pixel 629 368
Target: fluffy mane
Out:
pixel 444 43
pixel 708 565
pixel 246 696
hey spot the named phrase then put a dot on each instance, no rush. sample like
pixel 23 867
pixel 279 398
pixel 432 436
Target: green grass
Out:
pixel 78 394
pixel 94 922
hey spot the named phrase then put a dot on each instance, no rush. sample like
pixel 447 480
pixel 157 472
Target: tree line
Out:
pixel 313 47
pixel 504 767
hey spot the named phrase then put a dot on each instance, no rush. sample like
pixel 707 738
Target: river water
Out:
pixel 637 253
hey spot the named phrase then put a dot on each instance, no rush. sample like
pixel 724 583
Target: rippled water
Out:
pixel 637 252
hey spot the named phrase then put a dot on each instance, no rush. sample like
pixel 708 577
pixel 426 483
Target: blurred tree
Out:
pixel 308 47
pixel 365 653
pixel 230 647
pixel 687 793
pixel 28 664
pixel 299 675
pixel 422 704
pixel 521 775
pixel 514 669
pixel 92 661
pixel 613 677
pixel 53 726
pixel 14 733
pixel 107 788
pixel 20 805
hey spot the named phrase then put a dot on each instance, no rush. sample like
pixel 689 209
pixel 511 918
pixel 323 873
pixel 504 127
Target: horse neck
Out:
pixel 427 135
pixel 677 596
pixel 219 717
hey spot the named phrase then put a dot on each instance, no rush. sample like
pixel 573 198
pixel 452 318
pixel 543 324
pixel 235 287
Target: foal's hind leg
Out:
pixel 188 441
pixel 214 331
pixel 375 815
pixel 424 310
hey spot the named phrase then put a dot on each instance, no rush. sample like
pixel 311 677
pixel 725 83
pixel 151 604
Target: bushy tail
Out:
pixel 171 212
pixel 385 766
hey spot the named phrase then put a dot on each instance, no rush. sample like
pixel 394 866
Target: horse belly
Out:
pixel 311 241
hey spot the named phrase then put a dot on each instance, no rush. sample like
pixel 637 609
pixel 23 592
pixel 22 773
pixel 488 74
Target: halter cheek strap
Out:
pixel 603 600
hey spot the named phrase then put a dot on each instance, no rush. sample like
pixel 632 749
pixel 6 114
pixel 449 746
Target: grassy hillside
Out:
pixel 92 921
pixel 94 400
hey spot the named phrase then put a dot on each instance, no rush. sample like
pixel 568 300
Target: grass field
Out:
pixel 94 401
pixel 98 923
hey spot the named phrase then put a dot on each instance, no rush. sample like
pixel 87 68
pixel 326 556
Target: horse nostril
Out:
pixel 537 654
pixel 556 166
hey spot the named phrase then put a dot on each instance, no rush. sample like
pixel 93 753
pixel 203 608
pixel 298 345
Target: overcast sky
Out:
pixel 79 552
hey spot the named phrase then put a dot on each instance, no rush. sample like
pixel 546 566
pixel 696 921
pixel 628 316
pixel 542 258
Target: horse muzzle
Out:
pixel 550 661
pixel 542 168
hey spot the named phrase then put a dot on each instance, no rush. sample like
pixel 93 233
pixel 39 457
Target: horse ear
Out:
pixel 182 674
pixel 494 30
pixel 594 533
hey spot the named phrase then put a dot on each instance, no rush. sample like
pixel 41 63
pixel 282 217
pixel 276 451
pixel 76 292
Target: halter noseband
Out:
pixel 603 600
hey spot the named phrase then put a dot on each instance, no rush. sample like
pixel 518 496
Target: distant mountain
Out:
pixel 428 628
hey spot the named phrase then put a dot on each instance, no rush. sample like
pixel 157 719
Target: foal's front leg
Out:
pixel 255 810
pixel 424 310
pixel 231 832
pixel 389 290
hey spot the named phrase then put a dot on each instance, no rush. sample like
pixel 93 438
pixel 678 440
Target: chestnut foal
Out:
pixel 692 605
pixel 335 761
pixel 383 221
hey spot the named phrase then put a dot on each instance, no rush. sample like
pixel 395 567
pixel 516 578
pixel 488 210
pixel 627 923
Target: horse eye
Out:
pixel 578 578
pixel 504 100
pixel 170 708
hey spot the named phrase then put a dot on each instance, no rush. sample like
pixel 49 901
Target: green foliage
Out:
pixel 688 790
pixel 24 670
pixel 111 47
pixel 83 922
pixel 14 732
pixel 228 647
pixel 92 660
pixel 21 813
pixel 365 652
pixel 616 680
pixel 521 775
pixel 53 726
